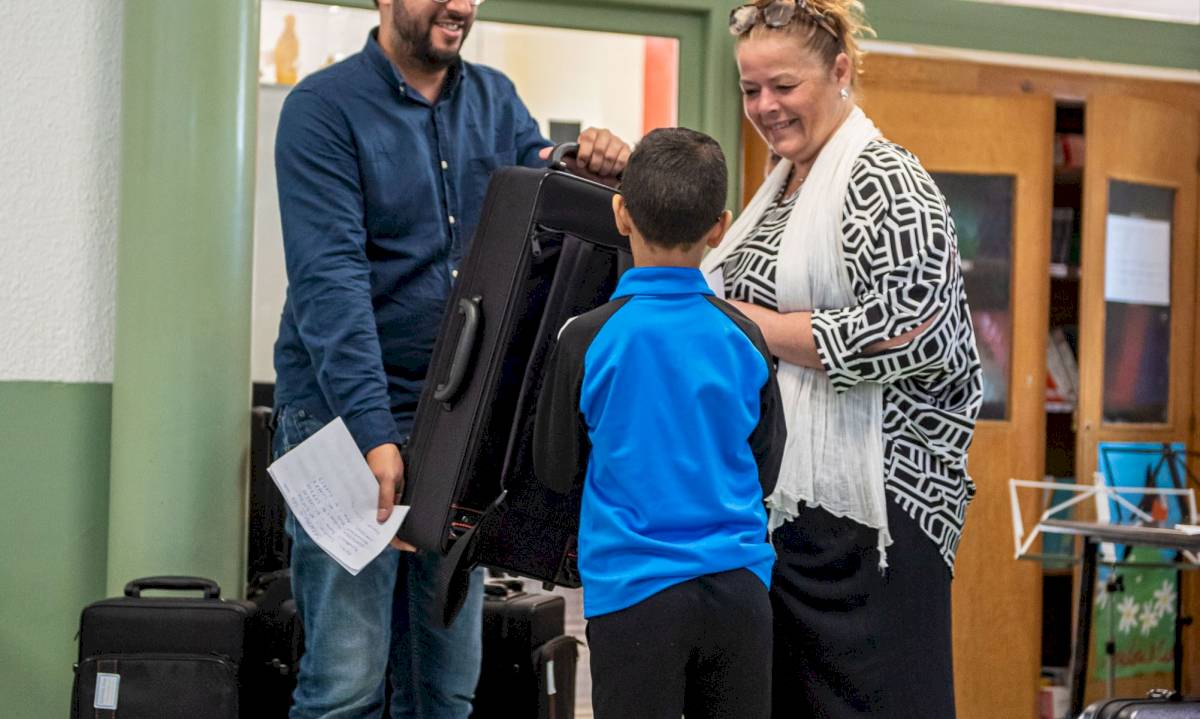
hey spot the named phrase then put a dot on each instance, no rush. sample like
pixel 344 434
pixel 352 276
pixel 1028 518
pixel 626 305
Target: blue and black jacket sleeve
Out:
pixel 770 434
pixel 561 446
pixel 560 439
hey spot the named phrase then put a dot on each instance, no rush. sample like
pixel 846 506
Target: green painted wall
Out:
pixel 54 455
pixel 1030 31
pixel 949 23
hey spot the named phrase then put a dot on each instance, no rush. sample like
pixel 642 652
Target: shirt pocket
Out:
pixel 398 195
pixel 488 163
pixel 479 173
pixel 479 169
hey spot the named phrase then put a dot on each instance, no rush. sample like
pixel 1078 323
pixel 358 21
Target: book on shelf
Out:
pixel 1062 375
pixel 1064 243
pixel 1069 150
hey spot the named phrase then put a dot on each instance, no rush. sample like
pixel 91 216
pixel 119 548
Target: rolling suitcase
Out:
pixel 163 657
pixel 1158 704
pixel 528 669
pixel 546 250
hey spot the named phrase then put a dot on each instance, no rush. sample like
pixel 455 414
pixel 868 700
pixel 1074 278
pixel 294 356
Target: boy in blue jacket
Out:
pixel 663 402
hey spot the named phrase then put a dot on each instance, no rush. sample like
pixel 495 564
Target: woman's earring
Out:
pixel 845 93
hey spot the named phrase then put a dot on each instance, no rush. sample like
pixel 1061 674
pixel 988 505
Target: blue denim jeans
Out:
pixel 383 625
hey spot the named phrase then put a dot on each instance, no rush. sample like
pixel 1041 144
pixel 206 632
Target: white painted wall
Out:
pixel 60 84
pixel 270 277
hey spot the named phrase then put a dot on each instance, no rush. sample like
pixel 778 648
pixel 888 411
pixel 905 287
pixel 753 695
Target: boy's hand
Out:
pixel 388 467
pixel 602 156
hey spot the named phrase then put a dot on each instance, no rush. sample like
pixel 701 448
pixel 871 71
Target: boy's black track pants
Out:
pixel 701 648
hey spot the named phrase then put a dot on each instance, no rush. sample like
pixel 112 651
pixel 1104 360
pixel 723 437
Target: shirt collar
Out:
pixel 662 281
pixel 373 51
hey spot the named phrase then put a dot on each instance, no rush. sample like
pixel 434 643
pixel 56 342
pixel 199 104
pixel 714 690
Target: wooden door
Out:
pixel 1140 172
pixel 997 600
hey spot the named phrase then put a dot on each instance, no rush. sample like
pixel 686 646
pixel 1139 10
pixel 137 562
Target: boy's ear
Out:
pixel 717 233
pixel 621 215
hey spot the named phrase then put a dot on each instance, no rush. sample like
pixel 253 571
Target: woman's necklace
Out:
pixel 794 184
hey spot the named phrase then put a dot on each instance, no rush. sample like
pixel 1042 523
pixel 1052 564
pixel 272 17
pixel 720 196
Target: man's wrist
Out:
pixel 373 428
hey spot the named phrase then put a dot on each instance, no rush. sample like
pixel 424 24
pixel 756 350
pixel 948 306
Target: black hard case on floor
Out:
pixel 175 657
pixel 555 664
pixel 268 548
pixel 1159 704
pixel 278 637
pixel 528 668
pixel 546 249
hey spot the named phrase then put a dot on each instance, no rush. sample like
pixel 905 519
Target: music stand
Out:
pixel 1094 534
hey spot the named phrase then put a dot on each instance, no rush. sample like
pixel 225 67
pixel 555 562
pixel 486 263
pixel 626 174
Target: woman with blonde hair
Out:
pixel 847 259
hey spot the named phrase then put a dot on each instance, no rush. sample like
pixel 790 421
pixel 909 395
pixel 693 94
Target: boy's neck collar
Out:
pixel 662 280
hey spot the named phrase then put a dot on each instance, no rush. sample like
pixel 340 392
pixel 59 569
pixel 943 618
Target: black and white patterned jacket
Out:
pixel 901 251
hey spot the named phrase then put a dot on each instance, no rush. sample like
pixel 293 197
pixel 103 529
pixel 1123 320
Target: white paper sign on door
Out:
pixel 1137 268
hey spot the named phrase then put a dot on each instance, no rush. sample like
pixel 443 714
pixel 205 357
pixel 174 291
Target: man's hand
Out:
pixel 602 156
pixel 388 467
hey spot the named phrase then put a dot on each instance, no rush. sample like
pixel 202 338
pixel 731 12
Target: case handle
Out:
pixel 470 308
pixel 558 158
pixel 211 589
pixel 562 152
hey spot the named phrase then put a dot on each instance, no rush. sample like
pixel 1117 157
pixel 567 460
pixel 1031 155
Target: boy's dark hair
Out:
pixel 674 186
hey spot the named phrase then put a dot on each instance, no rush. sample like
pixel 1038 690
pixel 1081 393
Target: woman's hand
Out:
pixel 789 335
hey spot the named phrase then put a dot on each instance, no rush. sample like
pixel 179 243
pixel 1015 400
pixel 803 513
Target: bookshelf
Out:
pixel 1062 366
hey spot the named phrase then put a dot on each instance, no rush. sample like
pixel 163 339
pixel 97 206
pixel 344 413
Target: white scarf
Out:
pixel 834 453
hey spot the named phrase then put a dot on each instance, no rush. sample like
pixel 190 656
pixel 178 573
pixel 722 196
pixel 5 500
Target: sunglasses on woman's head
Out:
pixel 774 14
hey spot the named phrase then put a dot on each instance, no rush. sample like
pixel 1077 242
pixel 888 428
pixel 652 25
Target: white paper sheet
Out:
pixel 331 490
pixel 716 282
pixel 1137 267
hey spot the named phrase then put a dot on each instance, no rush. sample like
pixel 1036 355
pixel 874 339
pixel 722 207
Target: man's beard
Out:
pixel 418 39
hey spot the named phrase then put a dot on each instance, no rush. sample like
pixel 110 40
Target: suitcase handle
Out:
pixel 558 158
pixel 469 308
pixel 561 152
pixel 211 589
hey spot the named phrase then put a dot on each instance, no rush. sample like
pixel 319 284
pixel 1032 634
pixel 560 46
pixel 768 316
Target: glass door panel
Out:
pixel 631 80
pixel 1137 293
pixel 982 208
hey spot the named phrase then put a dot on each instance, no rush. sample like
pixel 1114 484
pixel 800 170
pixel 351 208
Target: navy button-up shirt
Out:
pixel 379 192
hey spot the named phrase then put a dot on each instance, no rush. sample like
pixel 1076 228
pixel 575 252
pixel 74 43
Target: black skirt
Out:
pixel 850 639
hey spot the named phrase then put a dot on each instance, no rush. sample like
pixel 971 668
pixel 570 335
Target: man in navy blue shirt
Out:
pixel 382 163
pixel 663 404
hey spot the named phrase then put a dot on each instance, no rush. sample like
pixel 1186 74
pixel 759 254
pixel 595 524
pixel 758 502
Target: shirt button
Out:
pixel 454 274
pixel 452 219
pixel 445 165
